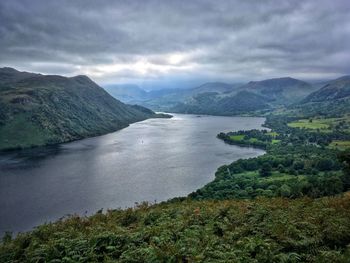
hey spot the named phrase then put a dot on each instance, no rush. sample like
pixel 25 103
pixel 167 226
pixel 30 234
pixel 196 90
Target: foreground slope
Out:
pixel 45 109
pixel 262 230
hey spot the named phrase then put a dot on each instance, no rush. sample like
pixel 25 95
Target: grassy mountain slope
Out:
pixel 38 109
pixel 335 90
pixel 332 100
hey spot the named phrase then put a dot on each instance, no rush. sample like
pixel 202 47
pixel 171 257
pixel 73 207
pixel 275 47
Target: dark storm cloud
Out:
pixel 118 40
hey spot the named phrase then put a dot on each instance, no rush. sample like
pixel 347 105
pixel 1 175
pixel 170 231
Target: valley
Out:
pixel 306 164
pixel 174 131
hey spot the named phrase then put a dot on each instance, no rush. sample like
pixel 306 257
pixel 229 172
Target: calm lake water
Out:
pixel 152 160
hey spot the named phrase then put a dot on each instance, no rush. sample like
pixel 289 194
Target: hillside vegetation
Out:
pixel 38 109
pixel 263 230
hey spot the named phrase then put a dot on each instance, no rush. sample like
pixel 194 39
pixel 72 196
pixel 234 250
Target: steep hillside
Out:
pixel 45 109
pixel 334 90
pixel 332 100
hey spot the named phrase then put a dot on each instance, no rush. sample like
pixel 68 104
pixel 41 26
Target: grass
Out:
pixel 340 145
pixel 280 177
pixel 274 177
pixel 237 137
pixel 273 134
pixel 306 124
pixel 323 124
pixel 240 138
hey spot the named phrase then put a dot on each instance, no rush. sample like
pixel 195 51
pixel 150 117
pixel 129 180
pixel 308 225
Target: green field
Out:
pixel 340 145
pixel 272 133
pixel 323 124
pixel 236 137
pixel 306 124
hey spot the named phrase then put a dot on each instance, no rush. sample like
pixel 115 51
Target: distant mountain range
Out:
pixel 164 99
pixel 40 109
pixel 253 98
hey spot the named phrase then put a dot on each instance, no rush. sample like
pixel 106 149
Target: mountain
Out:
pixel 164 99
pixel 168 101
pixel 40 109
pixel 280 91
pixel 334 90
pixel 213 103
pixel 332 100
pixel 126 92
pixel 248 98
pixel 219 87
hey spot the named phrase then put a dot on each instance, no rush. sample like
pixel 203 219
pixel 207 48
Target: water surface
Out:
pixel 152 160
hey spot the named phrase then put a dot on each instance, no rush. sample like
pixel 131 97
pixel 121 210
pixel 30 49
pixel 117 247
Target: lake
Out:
pixel 152 160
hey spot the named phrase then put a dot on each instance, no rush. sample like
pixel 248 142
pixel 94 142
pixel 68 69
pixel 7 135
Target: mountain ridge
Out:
pixel 38 110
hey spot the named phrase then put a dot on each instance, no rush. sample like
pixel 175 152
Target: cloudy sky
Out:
pixel 165 42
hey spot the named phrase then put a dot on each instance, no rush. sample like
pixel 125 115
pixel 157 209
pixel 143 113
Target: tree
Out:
pixel 344 158
pixel 332 185
pixel 298 165
pixel 265 170
pixel 325 164
pixel 280 168
pixel 285 191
